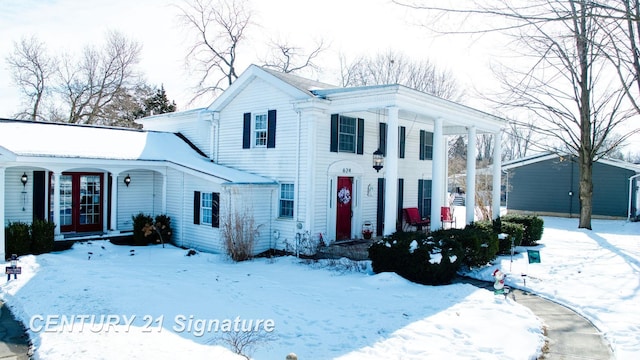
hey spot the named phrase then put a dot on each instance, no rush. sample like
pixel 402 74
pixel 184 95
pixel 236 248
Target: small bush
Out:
pixel 416 257
pixel 513 230
pixel 533 227
pixel 479 243
pixel 42 236
pixel 140 221
pixel 17 239
pixel 239 233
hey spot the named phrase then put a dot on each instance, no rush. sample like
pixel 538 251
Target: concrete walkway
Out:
pixel 569 335
pixel 14 342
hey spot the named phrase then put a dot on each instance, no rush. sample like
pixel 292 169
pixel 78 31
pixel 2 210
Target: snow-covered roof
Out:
pixel 67 141
pixel 549 155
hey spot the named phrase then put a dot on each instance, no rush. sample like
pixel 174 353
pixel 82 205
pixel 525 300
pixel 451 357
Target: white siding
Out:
pixel 139 197
pixel 13 195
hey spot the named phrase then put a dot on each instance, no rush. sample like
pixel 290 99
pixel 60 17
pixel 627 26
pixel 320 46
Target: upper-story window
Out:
pixel 347 134
pixel 259 130
pixel 426 145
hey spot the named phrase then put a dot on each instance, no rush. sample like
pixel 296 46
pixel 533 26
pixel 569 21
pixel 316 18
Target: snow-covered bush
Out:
pixel 533 227
pixel 416 257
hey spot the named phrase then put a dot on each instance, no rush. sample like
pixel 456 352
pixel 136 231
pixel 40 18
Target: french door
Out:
pixel 81 202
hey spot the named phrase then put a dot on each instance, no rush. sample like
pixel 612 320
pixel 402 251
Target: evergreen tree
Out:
pixel 158 103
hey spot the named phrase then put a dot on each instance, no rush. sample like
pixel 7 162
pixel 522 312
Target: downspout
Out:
pixel 631 195
pixel 297 185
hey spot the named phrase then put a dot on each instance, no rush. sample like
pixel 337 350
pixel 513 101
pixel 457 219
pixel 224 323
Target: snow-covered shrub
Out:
pixel 533 227
pixel 497 226
pixel 416 257
pixel 479 245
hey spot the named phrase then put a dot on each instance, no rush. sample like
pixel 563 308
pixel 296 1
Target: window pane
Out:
pixel 428 146
pixel 347 134
pixel 206 201
pixel 260 130
pixel 286 200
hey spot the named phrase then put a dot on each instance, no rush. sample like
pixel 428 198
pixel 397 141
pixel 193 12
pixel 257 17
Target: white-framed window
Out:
pixel 206 208
pixel 347 132
pixel 260 127
pixel 286 200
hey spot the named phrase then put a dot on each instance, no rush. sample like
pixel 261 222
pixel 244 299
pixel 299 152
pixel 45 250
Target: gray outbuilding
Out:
pixel 548 184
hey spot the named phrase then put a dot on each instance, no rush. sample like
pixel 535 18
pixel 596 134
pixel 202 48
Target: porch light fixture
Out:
pixel 378 160
pixel 127 180
pixel 24 179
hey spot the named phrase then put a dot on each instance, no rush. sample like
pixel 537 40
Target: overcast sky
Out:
pixel 350 27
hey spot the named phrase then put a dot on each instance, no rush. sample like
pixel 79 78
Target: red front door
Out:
pixel 343 212
pixel 80 202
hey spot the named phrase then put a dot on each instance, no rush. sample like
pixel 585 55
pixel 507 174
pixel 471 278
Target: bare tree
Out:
pixel 32 68
pixel 91 84
pixel 219 27
pixel 519 140
pixel 287 58
pixel 392 67
pixel 566 81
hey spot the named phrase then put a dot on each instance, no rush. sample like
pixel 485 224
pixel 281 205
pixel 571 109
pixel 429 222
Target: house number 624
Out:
pixel 346 170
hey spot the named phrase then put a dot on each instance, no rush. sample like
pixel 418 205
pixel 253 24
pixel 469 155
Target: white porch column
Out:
pixel 497 173
pixel 391 173
pixel 114 202
pixel 470 200
pixel 164 191
pixel 438 166
pixel 2 220
pixel 56 204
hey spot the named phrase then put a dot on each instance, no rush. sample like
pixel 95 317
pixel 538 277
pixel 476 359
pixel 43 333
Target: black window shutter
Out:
pixel 422 140
pixel 360 144
pixel 420 194
pixel 400 200
pixel 380 204
pixel 246 131
pixel 215 210
pixel 383 138
pixel 401 143
pixel 39 195
pixel 196 207
pixel 271 128
pixel 334 133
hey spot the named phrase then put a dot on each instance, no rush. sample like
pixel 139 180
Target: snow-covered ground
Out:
pixel 122 302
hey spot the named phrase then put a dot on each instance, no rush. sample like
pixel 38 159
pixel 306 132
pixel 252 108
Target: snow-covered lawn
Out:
pixel 596 273
pixel 151 303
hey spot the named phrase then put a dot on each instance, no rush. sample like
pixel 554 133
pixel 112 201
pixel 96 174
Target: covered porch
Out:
pixel 397 105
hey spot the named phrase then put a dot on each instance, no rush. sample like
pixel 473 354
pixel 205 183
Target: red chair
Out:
pixel 412 218
pixel 447 217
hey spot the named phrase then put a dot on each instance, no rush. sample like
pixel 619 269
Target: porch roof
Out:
pixel 27 139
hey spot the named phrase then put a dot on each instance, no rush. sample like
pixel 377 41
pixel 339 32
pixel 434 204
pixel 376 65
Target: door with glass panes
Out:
pixel 81 202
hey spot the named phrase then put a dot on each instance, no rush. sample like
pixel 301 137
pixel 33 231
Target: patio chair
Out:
pixel 447 217
pixel 412 218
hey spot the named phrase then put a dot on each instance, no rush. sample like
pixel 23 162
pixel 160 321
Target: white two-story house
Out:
pixel 294 155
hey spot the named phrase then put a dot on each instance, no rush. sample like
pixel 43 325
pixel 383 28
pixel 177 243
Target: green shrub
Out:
pixel 533 227
pixel 163 225
pixel 512 230
pixel 42 236
pixel 17 239
pixel 139 222
pixel 416 257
